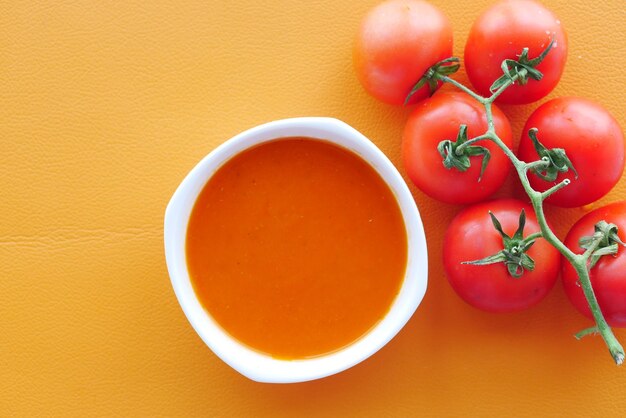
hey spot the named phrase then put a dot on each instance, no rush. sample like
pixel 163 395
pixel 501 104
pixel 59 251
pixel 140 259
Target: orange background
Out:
pixel 105 106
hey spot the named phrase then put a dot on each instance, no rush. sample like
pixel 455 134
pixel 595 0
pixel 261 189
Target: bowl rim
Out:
pixel 256 365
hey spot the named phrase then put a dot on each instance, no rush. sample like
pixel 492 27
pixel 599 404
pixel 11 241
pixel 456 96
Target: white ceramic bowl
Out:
pixel 250 363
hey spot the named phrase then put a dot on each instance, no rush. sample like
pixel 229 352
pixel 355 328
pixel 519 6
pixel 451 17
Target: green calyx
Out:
pixel 523 68
pixel 457 154
pixel 513 255
pixel 556 159
pixel 604 241
pixel 433 75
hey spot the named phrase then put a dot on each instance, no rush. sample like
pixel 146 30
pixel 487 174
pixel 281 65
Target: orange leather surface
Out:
pixel 104 108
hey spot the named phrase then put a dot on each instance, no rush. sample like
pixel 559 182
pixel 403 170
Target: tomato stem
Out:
pixel 461 148
pixel 578 261
pixel 604 241
pixel 538 165
pixel 465 89
pixel 587 331
pixel 534 236
pixel 615 348
pixel 555 188
pixel 521 74
pixel 592 248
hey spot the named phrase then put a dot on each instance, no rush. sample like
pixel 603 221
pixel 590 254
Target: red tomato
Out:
pixel 500 33
pixel 591 138
pixel 439 118
pixel 471 236
pixel 397 42
pixel 608 276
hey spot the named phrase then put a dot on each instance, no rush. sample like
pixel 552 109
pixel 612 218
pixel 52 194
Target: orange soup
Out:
pixel 296 247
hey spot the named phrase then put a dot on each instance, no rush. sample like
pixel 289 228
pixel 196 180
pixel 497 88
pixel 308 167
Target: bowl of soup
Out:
pixel 295 250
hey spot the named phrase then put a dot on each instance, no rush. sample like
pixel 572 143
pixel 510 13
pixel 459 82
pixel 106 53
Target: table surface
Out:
pixel 105 108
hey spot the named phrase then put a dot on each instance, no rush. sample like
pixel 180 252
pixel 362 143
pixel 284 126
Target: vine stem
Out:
pixel 578 261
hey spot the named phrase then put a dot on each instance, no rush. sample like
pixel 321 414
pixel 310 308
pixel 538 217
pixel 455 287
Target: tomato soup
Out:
pixel 296 247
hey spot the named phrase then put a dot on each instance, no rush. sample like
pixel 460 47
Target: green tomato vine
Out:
pixel 552 161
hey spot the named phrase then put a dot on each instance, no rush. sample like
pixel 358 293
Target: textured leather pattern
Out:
pixel 104 108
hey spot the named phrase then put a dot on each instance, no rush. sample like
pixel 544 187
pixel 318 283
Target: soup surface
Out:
pixel 296 247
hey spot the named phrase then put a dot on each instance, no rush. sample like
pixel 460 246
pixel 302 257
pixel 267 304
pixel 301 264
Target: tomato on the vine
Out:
pixel 472 236
pixel 397 42
pixel 608 276
pixel 592 140
pixel 439 118
pixel 502 32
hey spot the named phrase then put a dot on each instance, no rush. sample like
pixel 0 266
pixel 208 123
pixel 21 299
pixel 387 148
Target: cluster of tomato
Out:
pixel 397 43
